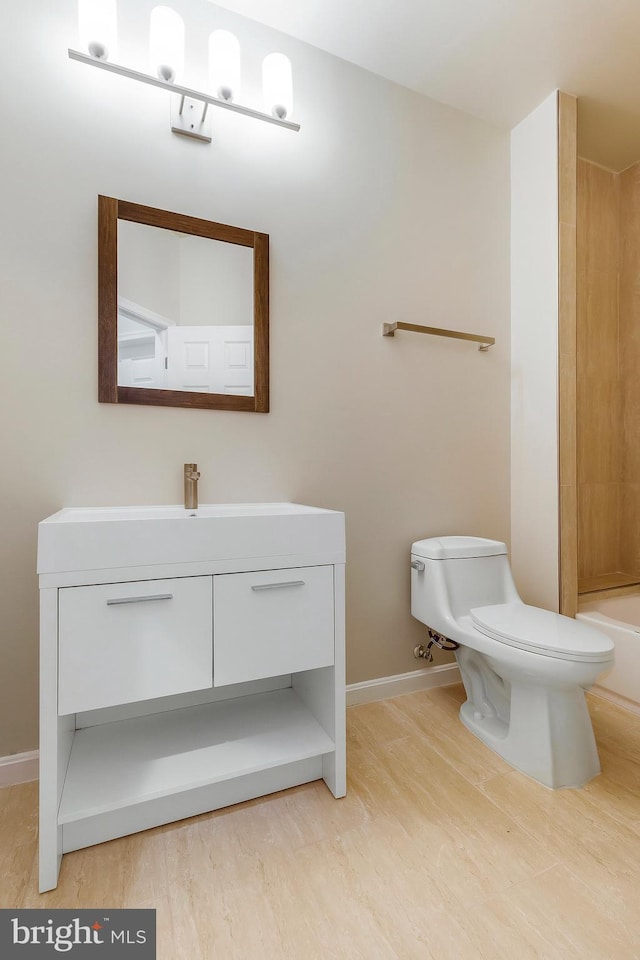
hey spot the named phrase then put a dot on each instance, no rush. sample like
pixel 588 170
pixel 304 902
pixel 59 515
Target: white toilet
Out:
pixel 524 669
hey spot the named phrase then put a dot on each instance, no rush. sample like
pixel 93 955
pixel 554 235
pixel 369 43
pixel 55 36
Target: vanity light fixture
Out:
pixel 189 109
pixel 277 85
pixel 224 65
pixel 166 44
pixel 97 28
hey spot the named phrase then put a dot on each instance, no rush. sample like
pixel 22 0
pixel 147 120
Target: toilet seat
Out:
pixel 542 632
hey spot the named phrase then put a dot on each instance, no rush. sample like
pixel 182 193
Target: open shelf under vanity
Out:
pixel 183 761
pixel 115 765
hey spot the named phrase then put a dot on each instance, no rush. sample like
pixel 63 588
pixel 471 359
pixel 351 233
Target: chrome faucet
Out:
pixel 191 477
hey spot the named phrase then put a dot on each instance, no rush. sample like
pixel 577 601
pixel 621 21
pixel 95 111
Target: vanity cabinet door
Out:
pixel 272 622
pixel 124 642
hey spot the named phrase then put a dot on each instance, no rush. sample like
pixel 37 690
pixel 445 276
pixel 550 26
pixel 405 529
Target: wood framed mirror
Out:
pixel 183 310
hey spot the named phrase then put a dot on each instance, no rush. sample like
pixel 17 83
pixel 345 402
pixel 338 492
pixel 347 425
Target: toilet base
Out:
pixel 543 731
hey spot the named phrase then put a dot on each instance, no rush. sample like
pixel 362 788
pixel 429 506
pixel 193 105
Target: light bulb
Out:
pixel 277 85
pixel 224 65
pixel 97 28
pixel 166 44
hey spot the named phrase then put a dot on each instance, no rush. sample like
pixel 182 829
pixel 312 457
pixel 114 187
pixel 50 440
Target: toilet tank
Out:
pixel 459 573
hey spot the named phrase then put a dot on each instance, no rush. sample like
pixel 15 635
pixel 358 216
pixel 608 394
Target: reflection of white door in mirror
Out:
pixel 142 346
pixel 155 353
pixel 146 370
pixel 212 359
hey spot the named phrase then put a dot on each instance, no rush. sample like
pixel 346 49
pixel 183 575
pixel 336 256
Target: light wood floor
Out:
pixel 440 850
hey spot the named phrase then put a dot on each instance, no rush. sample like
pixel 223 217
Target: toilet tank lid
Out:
pixel 456 548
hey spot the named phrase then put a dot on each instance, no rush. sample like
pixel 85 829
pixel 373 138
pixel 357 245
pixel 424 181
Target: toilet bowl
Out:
pixel 524 669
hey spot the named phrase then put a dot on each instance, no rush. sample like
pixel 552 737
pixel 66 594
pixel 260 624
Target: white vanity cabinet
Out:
pixel 124 642
pixel 272 621
pixel 175 687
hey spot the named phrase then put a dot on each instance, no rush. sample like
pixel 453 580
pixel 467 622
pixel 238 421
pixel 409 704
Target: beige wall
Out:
pixel 534 355
pixel 386 206
pixel 543 354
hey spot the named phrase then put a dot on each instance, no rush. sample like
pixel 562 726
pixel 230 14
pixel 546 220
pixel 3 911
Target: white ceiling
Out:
pixel 496 59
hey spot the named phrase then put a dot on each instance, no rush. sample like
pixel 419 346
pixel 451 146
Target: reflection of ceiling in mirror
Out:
pixel 189 280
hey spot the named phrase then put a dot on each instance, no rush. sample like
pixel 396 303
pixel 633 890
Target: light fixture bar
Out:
pixel 180 90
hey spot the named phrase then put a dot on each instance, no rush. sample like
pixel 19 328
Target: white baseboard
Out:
pixel 385 687
pixel 18 768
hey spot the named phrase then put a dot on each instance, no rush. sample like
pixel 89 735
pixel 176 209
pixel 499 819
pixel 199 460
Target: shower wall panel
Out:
pixel 599 387
pixel 629 321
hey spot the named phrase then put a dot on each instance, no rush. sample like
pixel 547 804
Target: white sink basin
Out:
pixel 93 538
pixel 94 514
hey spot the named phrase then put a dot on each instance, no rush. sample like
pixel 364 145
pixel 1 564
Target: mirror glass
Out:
pixel 183 310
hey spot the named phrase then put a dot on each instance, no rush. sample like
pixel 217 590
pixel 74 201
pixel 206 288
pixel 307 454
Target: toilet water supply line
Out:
pixel 435 639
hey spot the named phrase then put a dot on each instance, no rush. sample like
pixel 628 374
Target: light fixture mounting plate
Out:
pixel 191 118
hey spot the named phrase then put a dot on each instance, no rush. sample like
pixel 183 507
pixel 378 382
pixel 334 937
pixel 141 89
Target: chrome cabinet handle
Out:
pixel 417 565
pixel 276 586
pixel 155 596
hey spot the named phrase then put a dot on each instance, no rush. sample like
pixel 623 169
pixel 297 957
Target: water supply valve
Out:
pixel 422 652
